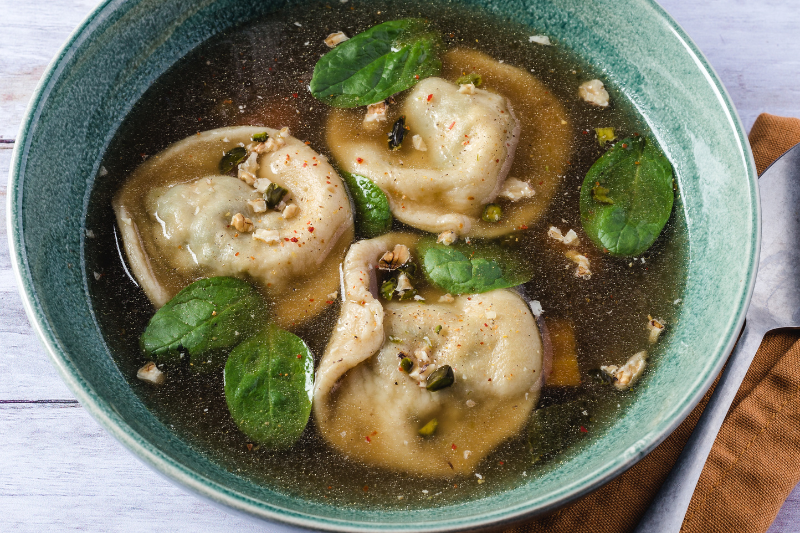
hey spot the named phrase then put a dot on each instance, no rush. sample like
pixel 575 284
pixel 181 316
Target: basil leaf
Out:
pixel 375 64
pixel 626 197
pixel 372 213
pixel 269 383
pixel 471 268
pixel 205 320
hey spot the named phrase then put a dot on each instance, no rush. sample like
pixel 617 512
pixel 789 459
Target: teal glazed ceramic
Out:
pixel 124 46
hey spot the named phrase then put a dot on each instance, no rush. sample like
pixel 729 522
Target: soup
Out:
pixel 257 76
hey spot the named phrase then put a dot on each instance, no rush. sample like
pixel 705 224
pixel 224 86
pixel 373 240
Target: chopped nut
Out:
pixel 536 308
pixel 471 403
pixel 261 185
pixel 375 113
pixel 403 284
pixel 395 259
pixel 418 143
pixel 335 38
pixel 655 327
pixel 151 374
pixel 625 376
pixel 540 39
pixel 290 211
pixel 333 295
pixel 571 238
pixel 583 270
pixel 241 223
pixel 467 453
pixel 594 92
pixel 423 354
pixel 269 236
pixel 491 315
pixel 447 299
pixel 258 206
pixel 447 237
pixel 514 189
pixel 250 164
pixel 247 177
pixel 467 88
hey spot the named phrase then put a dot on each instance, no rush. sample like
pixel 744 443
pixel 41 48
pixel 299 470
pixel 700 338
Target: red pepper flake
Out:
pixel 359 160
pixel 305 165
pixel 636 163
pixel 490 379
pixel 451 125
pixel 501 463
pixel 311 299
pixel 366 488
pixel 307 143
pixel 584 430
pixel 624 145
pixel 329 302
pixel 523 227
pixel 294 94
pixel 286 239
pixel 368 440
pixel 496 160
pixel 293 239
pixel 249 447
pixel 237 254
pixel 329 487
pixel 430 97
pixel 416 76
pixel 585 132
pixel 299 356
pixel 453 446
pixel 311 229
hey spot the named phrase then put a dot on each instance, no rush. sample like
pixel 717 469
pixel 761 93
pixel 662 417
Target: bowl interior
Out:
pixel 125 45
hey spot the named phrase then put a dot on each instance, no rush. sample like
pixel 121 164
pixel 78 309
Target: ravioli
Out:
pixel 175 216
pixel 506 142
pixel 370 410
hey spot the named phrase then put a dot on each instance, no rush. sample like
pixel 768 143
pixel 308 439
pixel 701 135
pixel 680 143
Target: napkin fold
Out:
pixel 755 461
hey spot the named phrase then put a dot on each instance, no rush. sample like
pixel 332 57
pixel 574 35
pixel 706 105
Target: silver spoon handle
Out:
pixel 668 509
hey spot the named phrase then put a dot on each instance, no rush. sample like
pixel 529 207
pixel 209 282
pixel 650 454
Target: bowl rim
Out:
pixel 246 506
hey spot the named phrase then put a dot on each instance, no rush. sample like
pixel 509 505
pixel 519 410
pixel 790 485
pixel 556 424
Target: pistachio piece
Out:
pixel 274 194
pixel 441 378
pixel 429 429
pixel 231 159
pixel 406 364
pixel 492 213
pixel 398 133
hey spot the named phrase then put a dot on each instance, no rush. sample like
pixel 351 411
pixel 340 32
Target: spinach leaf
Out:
pixel 375 64
pixel 472 268
pixel 626 197
pixel 205 320
pixel 269 383
pixel 373 216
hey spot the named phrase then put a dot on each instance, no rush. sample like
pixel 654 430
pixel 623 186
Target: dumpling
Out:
pixel 371 411
pixel 181 220
pixel 506 142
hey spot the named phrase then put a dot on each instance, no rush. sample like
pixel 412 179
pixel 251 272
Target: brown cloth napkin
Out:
pixel 755 462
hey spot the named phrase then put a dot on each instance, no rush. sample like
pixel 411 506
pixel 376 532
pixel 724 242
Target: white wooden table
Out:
pixel 60 471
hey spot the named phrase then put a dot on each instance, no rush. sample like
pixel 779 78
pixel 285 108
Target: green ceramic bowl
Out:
pixel 124 46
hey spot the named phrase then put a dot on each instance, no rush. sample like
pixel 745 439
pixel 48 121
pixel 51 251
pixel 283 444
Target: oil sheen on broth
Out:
pixel 258 74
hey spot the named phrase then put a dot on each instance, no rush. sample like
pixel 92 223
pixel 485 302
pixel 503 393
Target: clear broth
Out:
pixel 257 74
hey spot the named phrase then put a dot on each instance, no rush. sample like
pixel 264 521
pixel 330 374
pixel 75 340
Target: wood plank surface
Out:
pixel 62 472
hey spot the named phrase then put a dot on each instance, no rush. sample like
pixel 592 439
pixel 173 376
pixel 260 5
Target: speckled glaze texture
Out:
pixel 125 45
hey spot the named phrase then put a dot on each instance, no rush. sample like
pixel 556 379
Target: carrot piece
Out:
pixel 565 370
